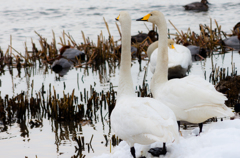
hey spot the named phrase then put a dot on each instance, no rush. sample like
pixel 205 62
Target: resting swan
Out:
pixel 134 119
pixel 179 59
pixel 191 98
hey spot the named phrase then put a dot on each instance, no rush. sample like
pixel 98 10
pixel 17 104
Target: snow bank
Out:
pixel 219 140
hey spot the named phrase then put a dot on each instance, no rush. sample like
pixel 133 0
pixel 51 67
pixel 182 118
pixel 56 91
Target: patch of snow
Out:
pixel 219 140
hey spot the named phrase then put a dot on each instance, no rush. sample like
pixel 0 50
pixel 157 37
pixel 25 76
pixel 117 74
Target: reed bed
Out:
pixel 70 112
pixel 105 49
pixel 208 38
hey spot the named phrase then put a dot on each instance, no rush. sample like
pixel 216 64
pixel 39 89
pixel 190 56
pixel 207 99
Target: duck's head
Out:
pixel 204 2
pixel 123 15
pixel 238 35
pixel 152 17
pixel 153 35
pixel 62 50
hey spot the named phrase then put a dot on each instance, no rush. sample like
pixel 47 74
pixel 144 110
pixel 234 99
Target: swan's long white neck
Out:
pixel 151 48
pixel 125 86
pixel 161 71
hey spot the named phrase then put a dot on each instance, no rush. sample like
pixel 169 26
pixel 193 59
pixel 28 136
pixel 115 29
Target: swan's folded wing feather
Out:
pixel 147 116
pixel 190 92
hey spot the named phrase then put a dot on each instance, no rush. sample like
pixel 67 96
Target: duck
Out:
pixel 197 52
pixel 191 98
pixel 135 119
pixel 140 37
pixel 232 42
pixel 134 51
pixel 236 29
pixel 66 58
pixel 179 59
pixel 197 6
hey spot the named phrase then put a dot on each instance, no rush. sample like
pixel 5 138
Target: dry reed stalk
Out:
pixel 71 39
pixel 26 52
pixel 175 28
pixel 54 43
pixel 107 27
pixel 11 44
pixel 64 39
pixel 119 31
pixel 83 36
pixel 20 55
pixel 147 27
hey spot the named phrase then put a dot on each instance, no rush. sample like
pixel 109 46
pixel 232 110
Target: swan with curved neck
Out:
pixel 139 120
pixel 179 59
pixel 191 98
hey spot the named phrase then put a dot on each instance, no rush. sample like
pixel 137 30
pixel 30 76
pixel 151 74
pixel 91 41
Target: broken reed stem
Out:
pixel 119 31
pixel 147 27
pixel 176 29
pixel 71 39
pixel 107 27
pixel 64 39
pixel 26 51
pixel 11 44
pixel 54 41
pixel 83 36
pixel 20 55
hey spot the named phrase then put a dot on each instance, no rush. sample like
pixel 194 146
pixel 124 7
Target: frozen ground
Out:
pixel 218 140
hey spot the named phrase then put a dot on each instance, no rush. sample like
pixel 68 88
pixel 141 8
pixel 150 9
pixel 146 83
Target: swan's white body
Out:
pixel 143 121
pixel 191 98
pixel 179 59
pixel 138 120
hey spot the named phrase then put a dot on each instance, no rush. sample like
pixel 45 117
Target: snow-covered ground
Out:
pixel 218 140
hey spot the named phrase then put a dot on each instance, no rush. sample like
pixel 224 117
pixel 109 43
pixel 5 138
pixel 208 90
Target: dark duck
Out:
pixel 197 6
pixel 68 56
pixel 232 42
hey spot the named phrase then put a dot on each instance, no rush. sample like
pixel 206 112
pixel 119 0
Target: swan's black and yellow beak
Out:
pixel 145 18
pixel 117 18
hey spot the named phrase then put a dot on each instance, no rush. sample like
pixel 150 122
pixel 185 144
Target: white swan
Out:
pixel 191 98
pixel 179 59
pixel 134 119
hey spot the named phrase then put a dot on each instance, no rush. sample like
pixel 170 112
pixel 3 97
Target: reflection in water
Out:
pixel 69 114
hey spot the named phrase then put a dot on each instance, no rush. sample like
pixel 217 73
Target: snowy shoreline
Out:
pixel 218 140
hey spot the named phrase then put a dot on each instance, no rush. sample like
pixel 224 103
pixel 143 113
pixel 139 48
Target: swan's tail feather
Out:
pixel 212 110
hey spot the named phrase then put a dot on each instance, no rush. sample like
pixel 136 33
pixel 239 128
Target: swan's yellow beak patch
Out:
pixel 173 46
pixel 145 18
pixel 118 18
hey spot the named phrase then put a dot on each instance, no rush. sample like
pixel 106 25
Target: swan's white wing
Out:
pixel 144 117
pixel 189 92
pixel 179 56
